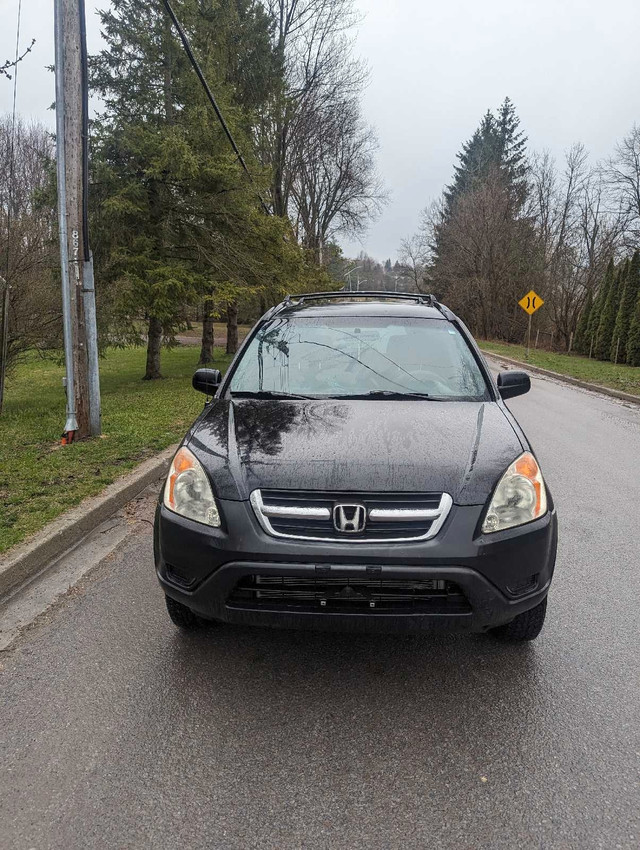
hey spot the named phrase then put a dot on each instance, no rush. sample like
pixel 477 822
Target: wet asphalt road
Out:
pixel 118 732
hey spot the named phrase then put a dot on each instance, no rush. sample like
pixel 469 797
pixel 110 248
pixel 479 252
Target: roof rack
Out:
pixel 417 297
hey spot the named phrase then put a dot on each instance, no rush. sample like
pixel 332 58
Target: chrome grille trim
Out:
pixel 400 515
pixel 438 515
pixel 295 513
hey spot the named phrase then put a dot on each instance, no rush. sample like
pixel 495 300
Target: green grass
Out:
pixel 40 479
pixel 219 331
pixel 618 377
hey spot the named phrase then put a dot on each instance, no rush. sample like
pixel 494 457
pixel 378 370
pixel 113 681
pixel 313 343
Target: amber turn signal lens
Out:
pixel 527 466
pixel 188 491
pixel 520 496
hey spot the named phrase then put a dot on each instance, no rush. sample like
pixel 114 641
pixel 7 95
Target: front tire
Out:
pixel 181 616
pixel 524 627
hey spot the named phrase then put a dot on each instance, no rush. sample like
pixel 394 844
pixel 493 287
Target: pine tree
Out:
pixel 625 311
pixel 178 219
pixel 511 148
pixel 475 159
pixel 598 306
pixel 608 316
pixel 497 144
pixel 582 343
pixel 633 339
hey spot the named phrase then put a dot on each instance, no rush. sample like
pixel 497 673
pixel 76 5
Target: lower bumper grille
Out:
pixel 349 594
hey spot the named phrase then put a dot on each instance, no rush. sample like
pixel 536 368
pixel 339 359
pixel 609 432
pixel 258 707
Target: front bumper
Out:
pixel 500 575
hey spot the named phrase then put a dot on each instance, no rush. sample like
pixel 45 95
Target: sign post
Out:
pixel 530 303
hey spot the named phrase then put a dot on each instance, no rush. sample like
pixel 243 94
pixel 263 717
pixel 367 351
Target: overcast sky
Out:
pixel 572 68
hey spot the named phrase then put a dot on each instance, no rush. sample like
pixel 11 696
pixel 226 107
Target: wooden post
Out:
pixel 529 336
pixel 69 115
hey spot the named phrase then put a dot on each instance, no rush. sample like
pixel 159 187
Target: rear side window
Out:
pixel 342 356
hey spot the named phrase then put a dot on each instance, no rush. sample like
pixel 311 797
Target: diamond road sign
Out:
pixel 531 302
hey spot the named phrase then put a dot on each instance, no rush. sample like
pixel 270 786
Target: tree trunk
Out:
pixel 232 328
pixel 206 349
pixel 154 341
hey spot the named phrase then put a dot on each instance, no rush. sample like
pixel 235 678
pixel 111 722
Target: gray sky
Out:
pixel 572 69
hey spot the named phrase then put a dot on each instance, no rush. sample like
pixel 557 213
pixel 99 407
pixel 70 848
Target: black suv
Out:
pixel 357 469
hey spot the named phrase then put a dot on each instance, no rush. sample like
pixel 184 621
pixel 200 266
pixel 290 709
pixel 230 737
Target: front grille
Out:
pixel 324 593
pixel 387 516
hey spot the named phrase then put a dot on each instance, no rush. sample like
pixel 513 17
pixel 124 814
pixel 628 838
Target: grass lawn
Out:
pixel 219 331
pixel 39 479
pixel 618 377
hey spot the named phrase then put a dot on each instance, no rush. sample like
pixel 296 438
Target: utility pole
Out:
pixel 349 273
pixel 78 296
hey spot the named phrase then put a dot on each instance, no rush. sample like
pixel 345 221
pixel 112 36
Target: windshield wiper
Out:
pixel 390 394
pixel 268 394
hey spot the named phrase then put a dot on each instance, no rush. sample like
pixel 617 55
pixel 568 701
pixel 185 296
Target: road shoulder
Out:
pixel 558 376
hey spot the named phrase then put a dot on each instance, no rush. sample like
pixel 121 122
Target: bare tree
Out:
pixel 34 308
pixel 487 259
pixel 622 175
pixel 413 257
pixel 335 187
pixel 578 232
pixel 316 108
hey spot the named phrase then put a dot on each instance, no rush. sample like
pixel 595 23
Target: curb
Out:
pixel 566 379
pixel 27 559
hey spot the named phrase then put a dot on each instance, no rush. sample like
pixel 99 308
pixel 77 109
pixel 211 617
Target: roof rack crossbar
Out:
pixel 418 297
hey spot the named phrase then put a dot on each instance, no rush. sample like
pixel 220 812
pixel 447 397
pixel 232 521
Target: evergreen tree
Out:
pixel 608 316
pixel 633 338
pixel 581 342
pixel 511 148
pixel 625 311
pixel 598 305
pixel 140 76
pixel 475 158
pixel 498 144
pixel 178 219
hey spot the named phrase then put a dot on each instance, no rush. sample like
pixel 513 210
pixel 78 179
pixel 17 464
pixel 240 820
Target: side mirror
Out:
pixel 207 380
pixel 511 384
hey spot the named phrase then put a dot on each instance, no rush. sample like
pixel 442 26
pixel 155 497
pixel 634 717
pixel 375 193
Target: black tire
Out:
pixel 526 626
pixel 181 616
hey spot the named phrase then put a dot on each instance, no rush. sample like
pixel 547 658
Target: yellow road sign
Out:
pixel 531 302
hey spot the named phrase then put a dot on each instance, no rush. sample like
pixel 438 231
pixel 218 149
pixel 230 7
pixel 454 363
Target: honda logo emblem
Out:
pixel 349 519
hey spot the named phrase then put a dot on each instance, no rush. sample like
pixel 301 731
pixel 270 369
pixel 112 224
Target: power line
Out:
pixel 212 100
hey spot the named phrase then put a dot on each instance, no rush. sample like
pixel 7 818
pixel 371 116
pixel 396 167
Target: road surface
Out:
pixel 118 732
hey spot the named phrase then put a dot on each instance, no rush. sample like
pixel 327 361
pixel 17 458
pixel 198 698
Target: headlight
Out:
pixel 521 496
pixel 188 492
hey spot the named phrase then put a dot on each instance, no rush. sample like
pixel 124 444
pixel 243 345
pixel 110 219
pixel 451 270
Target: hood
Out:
pixel 460 448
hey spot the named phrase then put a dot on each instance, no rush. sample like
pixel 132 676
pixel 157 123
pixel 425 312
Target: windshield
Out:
pixel 359 357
